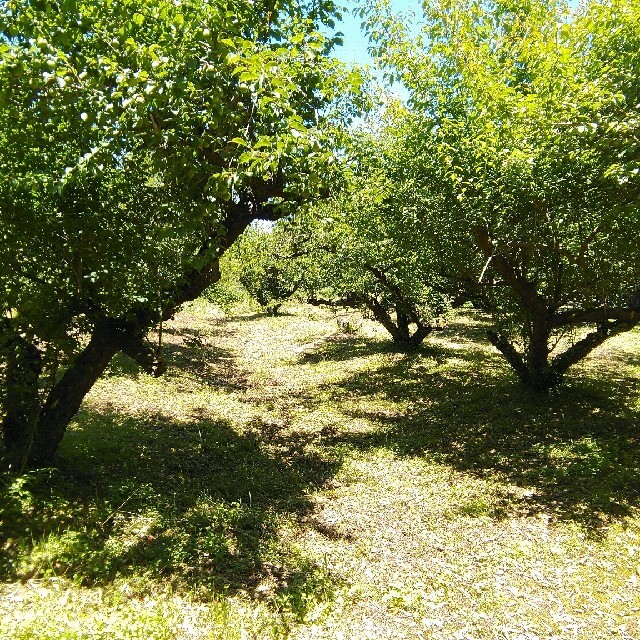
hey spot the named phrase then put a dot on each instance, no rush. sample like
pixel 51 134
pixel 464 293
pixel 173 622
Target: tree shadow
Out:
pixel 260 315
pixel 212 365
pixel 340 347
pixel 196 503
pixel 573 456
pixel 193 352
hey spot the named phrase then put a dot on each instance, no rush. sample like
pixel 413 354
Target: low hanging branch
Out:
pixel 534 367
pixel 127 334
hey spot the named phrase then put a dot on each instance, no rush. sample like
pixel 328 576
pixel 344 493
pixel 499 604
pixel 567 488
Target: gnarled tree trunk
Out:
pixel 66 396
pixel 33 428
pixel 534 366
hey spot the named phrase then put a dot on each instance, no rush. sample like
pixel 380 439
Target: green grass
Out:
pixel 288 480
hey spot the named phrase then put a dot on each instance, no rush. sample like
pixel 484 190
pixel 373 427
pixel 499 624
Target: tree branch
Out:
pixel 624 315
pixel 586 345
pixel 524 289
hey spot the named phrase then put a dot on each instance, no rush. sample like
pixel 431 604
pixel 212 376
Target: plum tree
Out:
pixel 138 140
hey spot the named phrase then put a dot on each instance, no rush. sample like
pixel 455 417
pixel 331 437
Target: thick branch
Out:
pixel 127 332
pixel 586 345
pixel 510 353
pixel 597 316
pixel 67 395
pixel 381 315
pixel 524 289
pixel 350 300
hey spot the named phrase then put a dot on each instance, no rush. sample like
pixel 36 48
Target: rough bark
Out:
pixel 541 376
pixel 67 395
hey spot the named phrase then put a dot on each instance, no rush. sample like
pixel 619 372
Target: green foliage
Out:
pixel 267 271
pixel 522 142
pixel 120 141
pixel 228 293
pixel 136 146
pixel 261 266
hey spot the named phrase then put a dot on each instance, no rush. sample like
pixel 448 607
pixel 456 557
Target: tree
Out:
pixel 260 267
pixel 528 149
pixel 367 243
pixel 135 148
pixel 268 272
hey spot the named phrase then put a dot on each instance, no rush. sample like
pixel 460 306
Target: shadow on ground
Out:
pixel 576 453
pixel 340 347
pixel 193 352
pixel 259 315
pixel 194 503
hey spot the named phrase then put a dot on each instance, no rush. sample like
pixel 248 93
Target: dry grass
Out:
pixel 286 480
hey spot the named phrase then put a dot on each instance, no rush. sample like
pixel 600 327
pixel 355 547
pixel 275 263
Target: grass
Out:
pixel 289 480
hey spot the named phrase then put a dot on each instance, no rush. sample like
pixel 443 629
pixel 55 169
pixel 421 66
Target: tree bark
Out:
pixel 67 395
pixel 402 325
pixel 542 377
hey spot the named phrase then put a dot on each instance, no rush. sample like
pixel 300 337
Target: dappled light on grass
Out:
pixel 289 480
pixel 193 502
pixel 576 452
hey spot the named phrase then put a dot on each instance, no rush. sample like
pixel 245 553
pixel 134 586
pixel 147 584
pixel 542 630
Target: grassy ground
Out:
pixel 288 480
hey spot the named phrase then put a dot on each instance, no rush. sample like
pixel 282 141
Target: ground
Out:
pixel 288 479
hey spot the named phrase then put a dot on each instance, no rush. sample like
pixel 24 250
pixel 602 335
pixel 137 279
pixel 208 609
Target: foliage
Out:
pixel 368 243
pixel 135 148
pixel 525 127
pixel 227 293
pixel 262 264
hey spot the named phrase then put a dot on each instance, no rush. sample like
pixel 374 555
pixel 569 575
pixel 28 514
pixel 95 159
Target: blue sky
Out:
pixel 355 40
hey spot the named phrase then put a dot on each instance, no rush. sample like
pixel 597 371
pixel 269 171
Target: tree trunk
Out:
pixel 67 395
pixel 399 330
pixel 21 402
pixel 403 336
pixel 542 377
pixel 533 369
pixel 41 436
